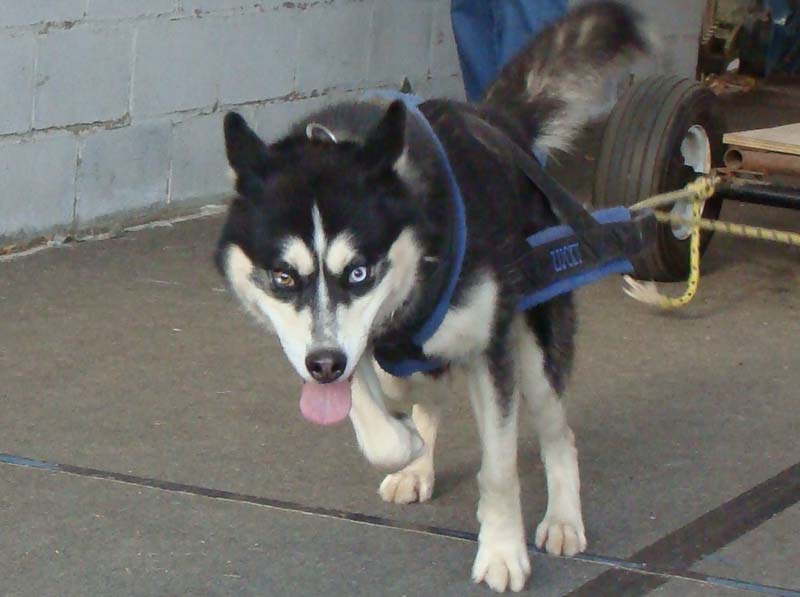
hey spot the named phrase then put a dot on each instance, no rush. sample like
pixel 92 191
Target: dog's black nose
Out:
pixel 326 365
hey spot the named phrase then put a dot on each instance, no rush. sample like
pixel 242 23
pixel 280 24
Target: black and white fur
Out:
pixel 354 221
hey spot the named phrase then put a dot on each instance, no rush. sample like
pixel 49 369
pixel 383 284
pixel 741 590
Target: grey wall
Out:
pixel 677 23
pixel 114 106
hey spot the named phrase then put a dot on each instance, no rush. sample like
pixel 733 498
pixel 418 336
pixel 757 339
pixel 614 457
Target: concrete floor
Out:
pixel 167 456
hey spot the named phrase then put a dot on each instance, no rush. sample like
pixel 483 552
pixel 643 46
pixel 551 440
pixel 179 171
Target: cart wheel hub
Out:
pixel 696 152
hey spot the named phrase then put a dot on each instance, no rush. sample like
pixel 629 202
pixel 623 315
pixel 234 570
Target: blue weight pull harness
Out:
pixel 583 249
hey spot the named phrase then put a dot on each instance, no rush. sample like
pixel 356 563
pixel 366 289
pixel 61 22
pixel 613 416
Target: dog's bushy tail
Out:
pixel 554 86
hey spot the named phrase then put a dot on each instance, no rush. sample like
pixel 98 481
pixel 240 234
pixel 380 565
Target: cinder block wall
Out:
pixel 678 24
pixel 114 107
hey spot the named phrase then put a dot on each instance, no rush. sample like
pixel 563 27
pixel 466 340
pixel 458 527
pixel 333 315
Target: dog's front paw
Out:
pixel 393 453
pixel 502 564
pixel 560 537
pixel 412 484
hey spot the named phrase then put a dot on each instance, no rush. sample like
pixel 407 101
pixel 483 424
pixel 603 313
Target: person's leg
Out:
pixel 519 21
pixel 489 32
pixel 473 29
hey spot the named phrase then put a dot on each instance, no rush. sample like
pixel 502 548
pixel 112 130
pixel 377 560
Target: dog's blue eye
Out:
pixel 358 275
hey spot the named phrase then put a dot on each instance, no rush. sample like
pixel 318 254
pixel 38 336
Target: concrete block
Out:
pixel 332 46
pixel 260 55
pixel 444 56
pixel 30 12
pixel 178 65
pixel 118 9
pixel 677 17
pixel 83 76
pixel 678 23
pixel 16 75
pixel 449 87
pixel 199 164
pixel 684 61
pixel 272 121
pixel 38 182
pixel 401 41
pixel 123 169
pixel 210 6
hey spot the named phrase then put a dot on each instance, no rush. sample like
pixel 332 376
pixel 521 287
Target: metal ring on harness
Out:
pixel 318 132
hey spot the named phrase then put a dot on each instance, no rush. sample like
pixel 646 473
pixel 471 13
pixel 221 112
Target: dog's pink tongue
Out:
pixel 326 404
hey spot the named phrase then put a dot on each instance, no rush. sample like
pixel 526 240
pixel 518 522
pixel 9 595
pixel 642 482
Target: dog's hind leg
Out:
pixel 561 531
pixel 502 561
pixel 415 482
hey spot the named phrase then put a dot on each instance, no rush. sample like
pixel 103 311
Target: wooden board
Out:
pixel 781 139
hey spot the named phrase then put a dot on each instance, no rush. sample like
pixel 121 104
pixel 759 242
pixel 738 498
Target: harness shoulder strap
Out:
pixel 586 247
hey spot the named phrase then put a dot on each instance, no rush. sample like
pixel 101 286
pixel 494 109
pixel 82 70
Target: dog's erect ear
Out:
pixel 385 143
pixel 247 154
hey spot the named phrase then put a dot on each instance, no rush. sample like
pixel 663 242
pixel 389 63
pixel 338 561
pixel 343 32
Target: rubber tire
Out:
pixel 640 157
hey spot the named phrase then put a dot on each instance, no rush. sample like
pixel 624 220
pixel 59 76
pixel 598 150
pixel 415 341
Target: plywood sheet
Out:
pixel 782 139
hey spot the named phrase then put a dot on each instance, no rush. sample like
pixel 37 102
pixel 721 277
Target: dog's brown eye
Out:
pixel 282 279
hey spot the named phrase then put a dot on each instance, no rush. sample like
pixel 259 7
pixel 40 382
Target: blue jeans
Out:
pixel 489 32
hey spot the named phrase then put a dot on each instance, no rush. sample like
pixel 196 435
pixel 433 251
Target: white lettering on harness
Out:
pixel 566 257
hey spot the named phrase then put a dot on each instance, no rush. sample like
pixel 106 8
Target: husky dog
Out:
pixel 340 241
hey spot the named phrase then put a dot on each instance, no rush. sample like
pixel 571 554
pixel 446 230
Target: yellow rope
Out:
pixel 743 230
pixel 647 292
pixel 698 192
